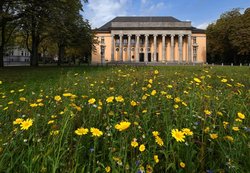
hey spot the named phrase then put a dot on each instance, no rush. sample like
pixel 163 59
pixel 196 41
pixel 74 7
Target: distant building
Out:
pixel 15 56
pixel 149 39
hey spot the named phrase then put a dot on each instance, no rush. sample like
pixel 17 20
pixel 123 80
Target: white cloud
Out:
pixel 144 1
pixel 99 12
pixel 203 25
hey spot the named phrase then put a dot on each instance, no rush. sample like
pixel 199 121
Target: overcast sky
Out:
pixel 199 12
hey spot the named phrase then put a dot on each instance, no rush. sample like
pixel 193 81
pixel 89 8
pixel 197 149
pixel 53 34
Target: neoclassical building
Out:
pixel 149 40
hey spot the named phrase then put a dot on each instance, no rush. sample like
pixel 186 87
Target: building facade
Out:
pixel 149 39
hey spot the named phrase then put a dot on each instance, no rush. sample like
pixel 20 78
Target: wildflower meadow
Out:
pixel 125 119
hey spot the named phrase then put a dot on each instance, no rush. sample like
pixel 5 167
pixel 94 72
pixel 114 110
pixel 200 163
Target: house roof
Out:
pixel 108 26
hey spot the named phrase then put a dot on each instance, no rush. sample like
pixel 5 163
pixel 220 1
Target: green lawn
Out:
pixel 125 119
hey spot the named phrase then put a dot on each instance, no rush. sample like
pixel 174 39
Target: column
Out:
pixel 155 47
pixel 189 49
pixel 129 48
pixel 172 48
pixel 180 48
pixel 137 48
pixel 163 48
pixel 112 48
pixel 146 48
pixel 120 48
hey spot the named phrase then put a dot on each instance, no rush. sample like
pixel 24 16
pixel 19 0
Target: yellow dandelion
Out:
pixel 225 124
pixel 156 72
pixel 213 136
pixel 169 96
pixel 54 132
pixel 178 135
pixel 133 103
pixel 96 132
pixel 182 165
pixel 176 106
pixel 207 112
pixel 110 99
pixel 26 124
pixel 134 143
pixel 235 128
pixel 67 94
pixel 18 121
pixel 108 169
pixel 1 82
pixel 91 101
pixel 57 98
pixel 155 133
pixel 81 131
pixel 153 92
pixel 224 80
pixel 150 81
pixel 219 113
pixel 119 99
pixel 142 148
pixel 123 125
pixel 159 141
pixel 187 131
pixel 10 103
pixel 207 129
pixel 33 105
pixel 170 86
pixel 238 120
pixel 229 138
pixel 51 122
pixel 177 99
pixel 23 99
pixel 156 159
pixel 241 115
pixel 197 80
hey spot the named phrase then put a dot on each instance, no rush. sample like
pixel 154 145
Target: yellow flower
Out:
pixel 184 104
pixel 39 100
pixel 23 99
pixel 213 135
pixel 178 135
pixel 177 99
pixel 176 106
pixel 25 125
pixel 197 80
pixel 110 99
pixel 133 103
pixel 159 141
pixel 156 159
pixel 81 131
pixel 123 125
pixel 142 148
pixel 57 98
pixel 51 122
pixel 33 105
pixel 207 112
pixel 238 120
pixel 108 169
pixel 223 80
pixel 155 133
pixel 150 81
pixel 1 82
pixel 230 138
pixel 10 102
pixel 235 128
pixel 134 144
pixel 119 99
pixel 225 123
pixel 241 115
pixel 206 129
pixel 67 94
pixel 156 72
pixel 170 86
pixel 182 165
pixel 96 132
pixel 153 92
pixel 187 131
pixel 18 121
pixel 144 97
pixel 54 132
pixel 149 85
pixel 91 101
pixel 149 169
pixel 219 113
pixel 169 97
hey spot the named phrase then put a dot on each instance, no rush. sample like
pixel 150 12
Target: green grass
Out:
pixel 170 99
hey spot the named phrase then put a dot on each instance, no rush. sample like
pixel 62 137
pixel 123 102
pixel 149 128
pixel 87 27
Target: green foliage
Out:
pixel 228 38
pixel 206 100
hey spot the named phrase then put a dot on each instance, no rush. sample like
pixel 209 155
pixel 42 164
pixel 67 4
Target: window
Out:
pixel 22 53
pixel 194 53
pixel 102 40
pixel 194 40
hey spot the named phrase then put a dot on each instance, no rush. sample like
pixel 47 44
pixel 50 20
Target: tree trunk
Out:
pixel 61 49
pixel 35 43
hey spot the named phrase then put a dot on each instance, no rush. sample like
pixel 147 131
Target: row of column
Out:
pixel 180 40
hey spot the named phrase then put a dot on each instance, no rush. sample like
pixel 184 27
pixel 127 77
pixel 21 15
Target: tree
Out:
pixel 227 38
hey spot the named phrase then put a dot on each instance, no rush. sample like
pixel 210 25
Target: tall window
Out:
pixel 194 53
pixel 194 40
pixel 102 40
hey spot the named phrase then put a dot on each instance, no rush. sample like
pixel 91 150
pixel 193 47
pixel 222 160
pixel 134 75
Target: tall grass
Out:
pixel 211 102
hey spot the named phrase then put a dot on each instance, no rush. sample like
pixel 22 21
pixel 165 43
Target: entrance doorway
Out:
pixel 141 57
pixel 149 57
